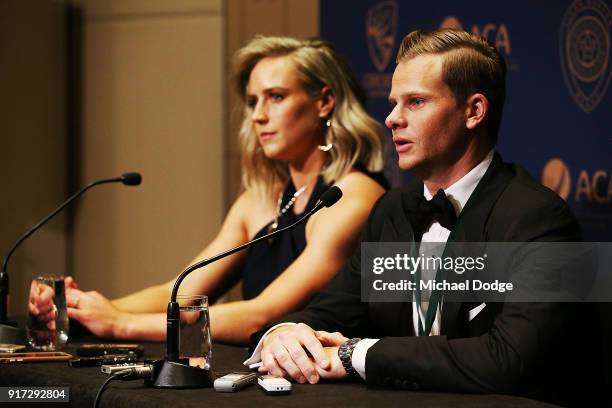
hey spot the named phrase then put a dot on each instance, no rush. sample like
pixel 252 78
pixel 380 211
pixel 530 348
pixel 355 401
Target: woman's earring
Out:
pixel 327 147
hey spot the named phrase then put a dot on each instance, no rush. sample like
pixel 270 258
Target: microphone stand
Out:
pixel 8 328
pixel 174 372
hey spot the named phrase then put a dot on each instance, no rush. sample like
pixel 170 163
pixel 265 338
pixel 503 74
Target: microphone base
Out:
pixel 8 332
pixel 179 374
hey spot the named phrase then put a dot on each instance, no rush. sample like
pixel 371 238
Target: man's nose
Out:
pixel 395 119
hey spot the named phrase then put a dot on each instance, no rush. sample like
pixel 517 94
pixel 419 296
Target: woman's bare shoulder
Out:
pixel 254 211
pixel 358 184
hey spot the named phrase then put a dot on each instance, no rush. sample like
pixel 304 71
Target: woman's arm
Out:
pixel 331 236
pixel 141 315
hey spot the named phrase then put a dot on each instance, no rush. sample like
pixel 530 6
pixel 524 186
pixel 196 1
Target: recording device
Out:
pixel 234 381
pixel 93 350
pixel 274 385
pixel 8 328
pixel 115 368
pixel 100 360
pixel 174 373
pixel 34 357
pixel 10 348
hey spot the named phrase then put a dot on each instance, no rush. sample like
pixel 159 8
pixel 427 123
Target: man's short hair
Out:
pixel 470 65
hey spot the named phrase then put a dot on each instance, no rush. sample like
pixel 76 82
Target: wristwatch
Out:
pixel 345 352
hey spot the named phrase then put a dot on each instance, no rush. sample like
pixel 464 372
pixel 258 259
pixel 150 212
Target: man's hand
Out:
pixel 299 352
pixel 95 312
pixel 336 370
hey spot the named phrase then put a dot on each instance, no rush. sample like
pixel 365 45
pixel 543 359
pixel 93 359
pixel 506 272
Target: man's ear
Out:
pixel 327 102
pixel 476 110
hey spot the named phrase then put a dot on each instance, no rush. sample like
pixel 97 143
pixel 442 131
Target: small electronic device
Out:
pixel 234 381
pixel 101 360
pixel 93 350
pixel 274 385
pixel 34 357
pixel 10 348
pixel 115 368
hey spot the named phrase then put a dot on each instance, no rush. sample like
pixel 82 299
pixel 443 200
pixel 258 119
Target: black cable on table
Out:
pixel 131 373
pixel 108 380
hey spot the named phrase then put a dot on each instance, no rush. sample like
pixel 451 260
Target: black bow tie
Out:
pixel 422 212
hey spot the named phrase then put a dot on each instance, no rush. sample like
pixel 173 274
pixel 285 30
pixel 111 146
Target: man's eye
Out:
pixel 418 102
pixel 276 97
pixel 251 102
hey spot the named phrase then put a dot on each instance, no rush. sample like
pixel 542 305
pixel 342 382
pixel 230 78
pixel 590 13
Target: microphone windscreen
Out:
pixel 330 197
pixel 131 179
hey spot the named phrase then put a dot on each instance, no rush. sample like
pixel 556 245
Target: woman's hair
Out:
pixel 357 138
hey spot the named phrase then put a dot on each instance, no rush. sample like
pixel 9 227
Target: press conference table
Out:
pixel 85 382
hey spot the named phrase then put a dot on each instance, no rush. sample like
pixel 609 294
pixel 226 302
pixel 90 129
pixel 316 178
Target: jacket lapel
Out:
pixel 395 318
pixel 471 227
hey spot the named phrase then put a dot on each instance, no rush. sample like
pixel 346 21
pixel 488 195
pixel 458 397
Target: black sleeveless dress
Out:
pixel 268 259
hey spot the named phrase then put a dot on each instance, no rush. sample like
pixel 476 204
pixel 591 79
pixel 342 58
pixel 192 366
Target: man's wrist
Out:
pixel 270 335
pixel 345 353
pixel 256 354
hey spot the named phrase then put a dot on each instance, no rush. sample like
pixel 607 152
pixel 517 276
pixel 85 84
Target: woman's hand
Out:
pixel 96 312
pixel 40 304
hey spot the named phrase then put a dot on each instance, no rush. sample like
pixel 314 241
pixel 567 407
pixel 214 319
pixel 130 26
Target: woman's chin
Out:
pixel 274 152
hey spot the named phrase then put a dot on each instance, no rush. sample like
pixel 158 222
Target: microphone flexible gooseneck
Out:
pixel 327 199
pixel 129 179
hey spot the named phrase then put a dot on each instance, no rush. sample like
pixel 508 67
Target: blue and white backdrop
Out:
pixel 558 115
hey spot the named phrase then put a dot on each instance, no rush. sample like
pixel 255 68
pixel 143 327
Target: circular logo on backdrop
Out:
pixel 451 22
pixel 556 176
pixel 584 46
pixel 381 27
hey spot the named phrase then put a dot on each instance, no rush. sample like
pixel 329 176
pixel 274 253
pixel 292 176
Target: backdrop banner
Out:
pixel 558 115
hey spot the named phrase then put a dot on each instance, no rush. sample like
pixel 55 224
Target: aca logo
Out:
pixel 591 188
pixel 381 29
pixel 584 48
pixel 497 35
pixel 556 176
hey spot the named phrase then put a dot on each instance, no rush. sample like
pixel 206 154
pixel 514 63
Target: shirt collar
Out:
pixel 461 190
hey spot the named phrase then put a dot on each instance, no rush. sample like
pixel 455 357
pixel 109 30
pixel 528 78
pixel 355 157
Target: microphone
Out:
pixel 131 179
pixel 6 325
pixel 173 374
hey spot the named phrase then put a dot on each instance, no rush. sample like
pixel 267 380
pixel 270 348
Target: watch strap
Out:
pixel 345 352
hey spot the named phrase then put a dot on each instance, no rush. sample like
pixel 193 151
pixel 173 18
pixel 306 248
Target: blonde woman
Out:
pixel 304 129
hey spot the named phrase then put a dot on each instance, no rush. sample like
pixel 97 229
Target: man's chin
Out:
pixel 414 166
pixel 407 163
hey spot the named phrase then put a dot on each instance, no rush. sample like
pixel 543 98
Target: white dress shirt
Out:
pixel 458 194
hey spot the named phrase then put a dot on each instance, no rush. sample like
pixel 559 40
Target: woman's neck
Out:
pixel 305 171
pixel 304 174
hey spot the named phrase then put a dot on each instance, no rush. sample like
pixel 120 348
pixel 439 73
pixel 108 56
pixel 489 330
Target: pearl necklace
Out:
pixel 279 211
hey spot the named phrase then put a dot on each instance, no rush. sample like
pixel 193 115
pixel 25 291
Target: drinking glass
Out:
pixel 194 333
pixel 47 327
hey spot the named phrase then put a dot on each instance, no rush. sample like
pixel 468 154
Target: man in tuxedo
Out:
pixel 447 93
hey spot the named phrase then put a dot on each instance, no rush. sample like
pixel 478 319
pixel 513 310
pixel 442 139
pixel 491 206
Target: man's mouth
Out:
pixel 402 145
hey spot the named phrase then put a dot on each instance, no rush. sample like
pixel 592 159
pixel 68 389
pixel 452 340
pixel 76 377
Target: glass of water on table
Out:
pixel 47 327
pixel 194 334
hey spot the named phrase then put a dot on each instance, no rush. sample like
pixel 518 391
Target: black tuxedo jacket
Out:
pixel 517 348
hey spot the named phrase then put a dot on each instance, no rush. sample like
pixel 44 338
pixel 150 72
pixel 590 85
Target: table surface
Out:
pixel 85 382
